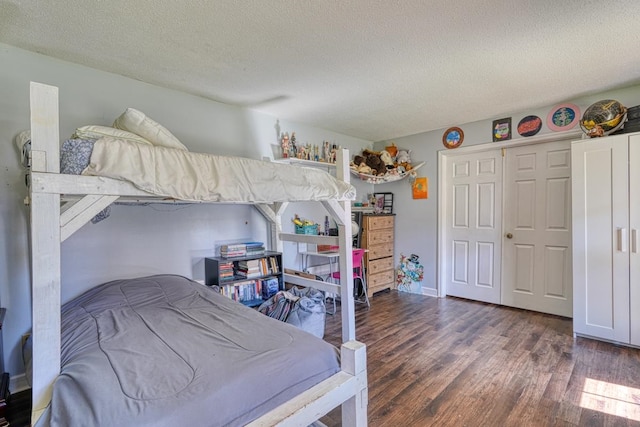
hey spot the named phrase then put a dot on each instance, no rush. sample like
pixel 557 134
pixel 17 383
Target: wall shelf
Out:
pixel 307 163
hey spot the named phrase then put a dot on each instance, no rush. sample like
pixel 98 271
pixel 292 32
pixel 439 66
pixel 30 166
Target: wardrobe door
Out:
pixel 634 225
pixel 600 212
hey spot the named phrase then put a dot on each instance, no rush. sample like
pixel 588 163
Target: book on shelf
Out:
pixel 249 275
pixel 270 287
pixel 242 249
pixel 249 263
pixel 233 254
pixel 273 261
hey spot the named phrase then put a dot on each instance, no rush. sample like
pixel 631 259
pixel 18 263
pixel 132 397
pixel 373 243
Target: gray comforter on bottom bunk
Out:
pixel 166 351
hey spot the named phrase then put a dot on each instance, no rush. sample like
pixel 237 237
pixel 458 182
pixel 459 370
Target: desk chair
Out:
pixel 358 273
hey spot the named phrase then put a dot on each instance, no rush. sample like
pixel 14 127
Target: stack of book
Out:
pixel 250 268
pixel 242 249
pixel 255 248
pixel 226 270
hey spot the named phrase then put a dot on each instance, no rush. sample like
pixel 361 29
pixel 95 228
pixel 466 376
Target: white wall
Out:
pixel 134 240
pixel 416 229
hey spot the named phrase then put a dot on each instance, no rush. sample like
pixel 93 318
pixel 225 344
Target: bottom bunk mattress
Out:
pixel 166 351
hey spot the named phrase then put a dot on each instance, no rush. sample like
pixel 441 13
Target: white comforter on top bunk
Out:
pixel 205 177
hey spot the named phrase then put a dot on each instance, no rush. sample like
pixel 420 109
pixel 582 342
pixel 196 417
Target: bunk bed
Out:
pixel 60 204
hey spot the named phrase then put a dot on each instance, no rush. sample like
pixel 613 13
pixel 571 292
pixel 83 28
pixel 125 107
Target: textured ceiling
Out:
pixel 374 69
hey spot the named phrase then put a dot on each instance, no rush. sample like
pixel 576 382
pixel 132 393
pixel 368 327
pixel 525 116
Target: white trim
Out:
pixel 19 383
pixel 430 292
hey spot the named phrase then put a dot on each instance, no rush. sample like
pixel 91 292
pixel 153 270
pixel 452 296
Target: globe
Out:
pixel 603 117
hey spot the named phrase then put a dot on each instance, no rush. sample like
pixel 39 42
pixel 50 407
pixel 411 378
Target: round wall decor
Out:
pixel 563 117
pixel 529 126
pixel 452 137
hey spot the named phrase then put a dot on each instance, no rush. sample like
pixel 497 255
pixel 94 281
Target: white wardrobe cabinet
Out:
pixel 606 238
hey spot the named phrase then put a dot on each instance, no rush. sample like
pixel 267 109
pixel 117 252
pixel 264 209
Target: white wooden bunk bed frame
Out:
pixel 52 223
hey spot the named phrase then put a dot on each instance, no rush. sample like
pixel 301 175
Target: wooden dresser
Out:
pixel 377 237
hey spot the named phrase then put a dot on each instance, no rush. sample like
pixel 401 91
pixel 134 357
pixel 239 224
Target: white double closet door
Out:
pixel 506 226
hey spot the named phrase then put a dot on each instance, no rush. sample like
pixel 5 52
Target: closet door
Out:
pixel 536 265
pixel 634 225
pixel 600 213
pixel 473 226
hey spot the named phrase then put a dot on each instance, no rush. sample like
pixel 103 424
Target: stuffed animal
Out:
pixel 376 164
pixel 392 149
pixel 406 166
pixel 404 156
pixel 385 156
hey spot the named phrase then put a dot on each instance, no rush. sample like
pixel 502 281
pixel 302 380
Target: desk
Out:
pixel 330 256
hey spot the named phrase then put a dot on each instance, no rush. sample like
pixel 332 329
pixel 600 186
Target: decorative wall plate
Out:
pixel 453 137
pixel 563 117
pixel 529 126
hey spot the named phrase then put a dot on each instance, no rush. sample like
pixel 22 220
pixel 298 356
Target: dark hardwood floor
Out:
pixel 19 409
pixel 453 362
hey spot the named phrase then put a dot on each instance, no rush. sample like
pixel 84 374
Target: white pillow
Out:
pixel 137 122
pixel 97 132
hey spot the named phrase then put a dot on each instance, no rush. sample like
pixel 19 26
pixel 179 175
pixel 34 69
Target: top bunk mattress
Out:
pixel 166 351
pixel 200 177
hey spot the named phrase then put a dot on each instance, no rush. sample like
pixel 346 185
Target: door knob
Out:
pixel 509 236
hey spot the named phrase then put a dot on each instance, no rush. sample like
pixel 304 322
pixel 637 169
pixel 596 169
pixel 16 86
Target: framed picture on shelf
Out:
pixel 501 129
pixel 384 203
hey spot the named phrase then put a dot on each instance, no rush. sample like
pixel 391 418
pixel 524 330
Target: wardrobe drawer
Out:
pixel 380 265
pixel 380 281
pixel 379 222
pixel 379 237
pixel 380 251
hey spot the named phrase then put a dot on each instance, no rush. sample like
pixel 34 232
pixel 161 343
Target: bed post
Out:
pixel 273 214
pixel 45 247
pixel 346 258
pixel 353 353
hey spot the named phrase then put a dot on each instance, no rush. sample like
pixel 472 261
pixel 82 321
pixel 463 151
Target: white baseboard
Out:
pixel 18 383
pixel 430 292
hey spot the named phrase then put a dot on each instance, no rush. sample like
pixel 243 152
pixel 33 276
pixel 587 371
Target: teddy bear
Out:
pixel 376 164
pixel 359 165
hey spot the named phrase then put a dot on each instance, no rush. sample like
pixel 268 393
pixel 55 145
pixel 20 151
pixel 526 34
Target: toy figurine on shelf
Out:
pixel 327 152
pixel 285 145
pixel 294 148
pixel 302 152
pixel 334 153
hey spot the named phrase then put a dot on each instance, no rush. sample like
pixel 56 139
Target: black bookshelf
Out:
pixel 261 272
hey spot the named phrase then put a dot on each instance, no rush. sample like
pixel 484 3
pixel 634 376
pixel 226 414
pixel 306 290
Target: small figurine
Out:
pixel 285 145
pixel 294 149
pixel 327 152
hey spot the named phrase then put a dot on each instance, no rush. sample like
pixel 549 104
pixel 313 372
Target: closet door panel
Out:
pixel 634 226
pixel 600 238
